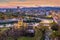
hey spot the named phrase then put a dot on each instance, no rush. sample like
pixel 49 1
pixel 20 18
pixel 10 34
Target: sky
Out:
pixel 29 3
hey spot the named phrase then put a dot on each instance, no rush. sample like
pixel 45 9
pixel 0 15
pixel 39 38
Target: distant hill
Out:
pixel 30 8
pixel 43 8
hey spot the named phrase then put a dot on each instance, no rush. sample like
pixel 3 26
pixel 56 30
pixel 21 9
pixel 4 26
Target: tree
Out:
pixel 44 29
pixel 54 27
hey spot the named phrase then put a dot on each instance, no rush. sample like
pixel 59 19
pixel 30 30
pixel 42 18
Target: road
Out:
pixel 57 21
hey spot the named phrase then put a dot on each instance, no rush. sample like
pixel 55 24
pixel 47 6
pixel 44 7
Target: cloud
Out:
pixel 4 1
pixel 1 1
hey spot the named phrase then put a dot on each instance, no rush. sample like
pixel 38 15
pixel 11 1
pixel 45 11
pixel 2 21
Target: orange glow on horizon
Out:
pixel 32 3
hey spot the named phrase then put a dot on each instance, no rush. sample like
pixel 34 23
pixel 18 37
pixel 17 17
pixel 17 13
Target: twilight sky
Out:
pixel 29 3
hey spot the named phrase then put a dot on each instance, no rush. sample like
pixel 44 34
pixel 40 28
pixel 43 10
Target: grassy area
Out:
pixel 37 36
pixel 3 29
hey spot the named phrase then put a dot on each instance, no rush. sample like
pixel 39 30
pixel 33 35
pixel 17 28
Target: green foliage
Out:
pixel 38 35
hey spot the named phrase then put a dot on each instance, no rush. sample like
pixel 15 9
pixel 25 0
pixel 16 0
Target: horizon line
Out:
pixel 24 6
